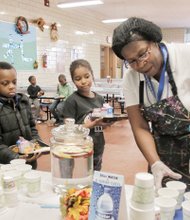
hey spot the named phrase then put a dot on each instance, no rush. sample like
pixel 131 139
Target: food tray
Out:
pixel 115 117
pixel 40 147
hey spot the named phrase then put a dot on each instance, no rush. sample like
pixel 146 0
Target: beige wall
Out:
pixel 173 35
pixel 71 21
pixel 60 51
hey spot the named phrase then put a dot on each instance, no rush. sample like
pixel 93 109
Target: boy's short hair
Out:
pixel 30 78
pixel 62 76
pixel 5 66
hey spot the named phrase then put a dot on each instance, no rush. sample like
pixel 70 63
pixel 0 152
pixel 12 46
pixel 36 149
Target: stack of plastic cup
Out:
pixel 186 210
pixel 142 201
pixel 167 207
pixel 180 187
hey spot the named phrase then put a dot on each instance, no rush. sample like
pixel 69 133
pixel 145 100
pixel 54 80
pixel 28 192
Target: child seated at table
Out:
pixel 15 117
pixel 64 90
pixel 34 92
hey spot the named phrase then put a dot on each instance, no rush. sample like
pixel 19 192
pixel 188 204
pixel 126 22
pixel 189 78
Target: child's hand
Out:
pixel 40 93
pixel 30 158
pixel 89 123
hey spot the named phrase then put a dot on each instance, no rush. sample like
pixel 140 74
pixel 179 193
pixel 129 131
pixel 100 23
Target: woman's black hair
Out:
pixel 134 29
pixel 78 63
pixel 5 66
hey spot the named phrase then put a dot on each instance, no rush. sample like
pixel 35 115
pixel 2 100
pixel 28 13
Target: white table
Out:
pixel 30 208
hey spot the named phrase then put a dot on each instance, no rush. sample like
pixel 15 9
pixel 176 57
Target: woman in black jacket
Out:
pixel 15 117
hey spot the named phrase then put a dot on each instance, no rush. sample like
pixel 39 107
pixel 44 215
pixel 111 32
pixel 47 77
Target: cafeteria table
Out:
pixel 46 205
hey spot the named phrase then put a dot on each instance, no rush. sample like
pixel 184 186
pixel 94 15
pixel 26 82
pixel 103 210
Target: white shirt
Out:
pixel 179 57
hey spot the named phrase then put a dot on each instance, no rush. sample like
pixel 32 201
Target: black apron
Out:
pixel 171 130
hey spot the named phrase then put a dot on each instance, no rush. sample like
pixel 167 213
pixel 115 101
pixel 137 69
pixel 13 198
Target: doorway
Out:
pixel 109 63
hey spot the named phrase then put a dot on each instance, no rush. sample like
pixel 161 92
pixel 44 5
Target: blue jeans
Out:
pixel 56 108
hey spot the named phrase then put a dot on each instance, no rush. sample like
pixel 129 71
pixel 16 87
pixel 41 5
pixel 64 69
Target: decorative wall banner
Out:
pixel 21 25
pixel 17 49
pixel 54 32
pixel 40 23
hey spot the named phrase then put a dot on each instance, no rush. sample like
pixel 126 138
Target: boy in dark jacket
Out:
pixel 15 117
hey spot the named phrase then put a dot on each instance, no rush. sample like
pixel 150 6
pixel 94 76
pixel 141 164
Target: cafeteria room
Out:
pixel 83 84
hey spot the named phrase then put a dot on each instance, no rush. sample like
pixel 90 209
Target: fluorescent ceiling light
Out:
pixel 79 4
pixel 84 33
pixel 3 13
pixel 114 20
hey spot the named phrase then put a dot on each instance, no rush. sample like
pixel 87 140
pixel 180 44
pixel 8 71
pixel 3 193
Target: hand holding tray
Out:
pixel 114 118
pixel 37 147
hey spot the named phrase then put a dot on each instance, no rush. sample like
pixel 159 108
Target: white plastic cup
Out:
pixel 16 175
pixel 11 198
pixel 23 168
pixel 168 193
pixel 33 183
pixel 167 207
pixel 186 210
pixel 17 161
pixel 7 167
pixel 143 191
pixel 187 196
pixel 140 214
pixel 180 187
pixel 1 198
pixel 1 178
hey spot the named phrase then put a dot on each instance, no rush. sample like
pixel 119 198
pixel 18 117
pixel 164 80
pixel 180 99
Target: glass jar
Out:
pixel 71 157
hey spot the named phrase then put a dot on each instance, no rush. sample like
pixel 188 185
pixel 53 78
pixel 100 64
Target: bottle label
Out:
pixel 8 185
pixel 102 215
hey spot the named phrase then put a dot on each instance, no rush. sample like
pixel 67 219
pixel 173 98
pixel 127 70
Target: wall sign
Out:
pixel 17 49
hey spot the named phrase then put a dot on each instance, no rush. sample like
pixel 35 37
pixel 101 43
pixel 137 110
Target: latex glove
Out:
pixel 159 171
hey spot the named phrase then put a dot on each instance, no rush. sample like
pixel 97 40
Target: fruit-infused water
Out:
pixel 72 167
pixel 71 157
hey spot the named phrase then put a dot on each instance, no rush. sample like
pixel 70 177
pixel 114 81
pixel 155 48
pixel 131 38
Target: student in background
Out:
pixel 34 92
pixel 82 102
pixel 15 117
pixel 64 90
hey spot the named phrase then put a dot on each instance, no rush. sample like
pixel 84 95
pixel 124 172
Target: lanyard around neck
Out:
pixel 162 77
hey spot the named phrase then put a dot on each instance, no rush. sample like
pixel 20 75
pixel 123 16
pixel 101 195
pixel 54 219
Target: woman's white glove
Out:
pixel 159 171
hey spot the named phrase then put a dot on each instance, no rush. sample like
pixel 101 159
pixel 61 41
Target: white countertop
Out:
pixel 30 208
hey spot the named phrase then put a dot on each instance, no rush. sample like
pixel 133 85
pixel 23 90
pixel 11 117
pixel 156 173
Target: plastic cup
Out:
pixel 23 168
pixel 33 183
pixel 167 207
pixel 16 175
pixel 187 196
pixel 140 214
pixel 186 210
pixel 1 198
pixel 17 161
pixel 7 167
pixel 180 187
pixel 168 193
pixel 143 191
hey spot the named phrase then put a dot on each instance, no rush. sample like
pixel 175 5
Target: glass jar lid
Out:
pixel 69 131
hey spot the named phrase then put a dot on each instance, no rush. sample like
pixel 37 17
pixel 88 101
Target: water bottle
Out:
pixel 105 206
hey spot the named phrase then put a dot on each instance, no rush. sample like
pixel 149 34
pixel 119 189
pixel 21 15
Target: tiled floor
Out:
pixel 121 154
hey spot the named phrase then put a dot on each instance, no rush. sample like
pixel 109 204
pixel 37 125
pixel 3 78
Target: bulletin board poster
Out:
pixel 17 49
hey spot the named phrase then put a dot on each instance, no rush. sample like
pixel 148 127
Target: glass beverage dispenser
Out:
pixel 71 157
